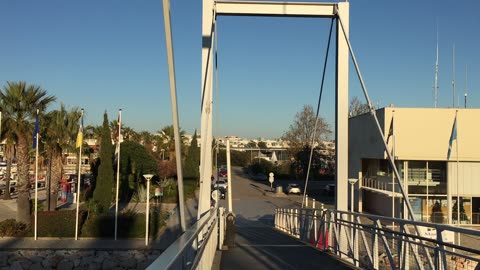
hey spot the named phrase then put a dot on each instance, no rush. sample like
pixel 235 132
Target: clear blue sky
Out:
pixel 106 55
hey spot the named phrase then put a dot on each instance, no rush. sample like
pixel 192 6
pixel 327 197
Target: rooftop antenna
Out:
pixel 466 78
pixel 453 80
pixel 435 86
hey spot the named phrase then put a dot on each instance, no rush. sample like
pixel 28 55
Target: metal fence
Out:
pixel 195 249
pixel 376 242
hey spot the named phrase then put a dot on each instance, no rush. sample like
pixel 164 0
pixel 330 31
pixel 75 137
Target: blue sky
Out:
pixel 106 55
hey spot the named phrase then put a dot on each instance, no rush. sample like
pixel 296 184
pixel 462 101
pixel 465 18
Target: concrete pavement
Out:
pixel 257 244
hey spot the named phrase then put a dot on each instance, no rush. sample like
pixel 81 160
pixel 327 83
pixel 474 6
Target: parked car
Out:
pixel 220 184
pixel 223 173
pixel 329 189
pixel 260 177
pixel 293 188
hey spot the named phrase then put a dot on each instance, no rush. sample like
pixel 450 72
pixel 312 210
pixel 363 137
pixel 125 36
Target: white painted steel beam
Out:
pixel 288 9
pixel 211 9
pixel 208 35
pixel 341 113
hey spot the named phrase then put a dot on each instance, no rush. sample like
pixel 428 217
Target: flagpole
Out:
pixel 79 173
pixel 36 176
pixel 118 170
pixel 458 180
pixel 393 177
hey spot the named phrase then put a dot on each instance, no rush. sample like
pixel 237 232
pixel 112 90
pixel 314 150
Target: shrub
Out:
pixel 11 227
pixel 140 195
pixel 170 190
pixel 130 225
pixel 57 223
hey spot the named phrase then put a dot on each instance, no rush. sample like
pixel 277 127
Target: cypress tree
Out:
pixel 193 159
pixel 104 182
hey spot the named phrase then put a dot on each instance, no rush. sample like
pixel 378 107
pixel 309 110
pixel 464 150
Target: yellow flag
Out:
pixel 80 134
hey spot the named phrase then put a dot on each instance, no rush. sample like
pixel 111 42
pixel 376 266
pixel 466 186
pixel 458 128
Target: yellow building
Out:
pixel 419 139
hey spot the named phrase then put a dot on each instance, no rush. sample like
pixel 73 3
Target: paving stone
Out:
pixel 16 266
pixel 65 264
pixel 36 259
pixel 108 264
pixel 3 259
pixel 36 266
pixel 95 266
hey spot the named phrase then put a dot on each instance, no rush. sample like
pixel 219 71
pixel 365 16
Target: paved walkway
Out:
pixel 259 246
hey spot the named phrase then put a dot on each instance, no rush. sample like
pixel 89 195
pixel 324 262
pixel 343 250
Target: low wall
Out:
pixel 77 259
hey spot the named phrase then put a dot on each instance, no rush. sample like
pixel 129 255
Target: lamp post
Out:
pixel 148 177
pixel 352 182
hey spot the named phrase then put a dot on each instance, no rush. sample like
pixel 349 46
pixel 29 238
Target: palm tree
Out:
pixel 167 140
pixel 59 137
pixel 146 138
pixel 20 103
pixel 9 152
pixel 128 133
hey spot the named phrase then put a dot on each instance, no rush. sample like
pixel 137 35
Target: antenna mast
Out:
pixel 453 80
pixel 466 77
pixel 435 86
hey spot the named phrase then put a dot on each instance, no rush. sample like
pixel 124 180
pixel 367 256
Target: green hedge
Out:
pixel 130 225
pixel 12 228
pixel 57 223
pixel 189 186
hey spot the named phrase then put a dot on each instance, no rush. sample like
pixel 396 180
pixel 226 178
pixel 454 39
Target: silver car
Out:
pixel 220 184
pixel 293 188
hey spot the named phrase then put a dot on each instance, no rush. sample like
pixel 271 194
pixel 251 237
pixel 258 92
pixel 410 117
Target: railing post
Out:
pixel 355 242
pixel 313 203
pixel 315 233
pixel 375 246
pixel 275 219
pixel 306 201
pixel 221 222
pixel 296 230
pixel 290 223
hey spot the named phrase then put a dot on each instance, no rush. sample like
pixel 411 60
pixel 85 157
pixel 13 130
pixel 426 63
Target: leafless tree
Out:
pixel 357 107
pixel 300 132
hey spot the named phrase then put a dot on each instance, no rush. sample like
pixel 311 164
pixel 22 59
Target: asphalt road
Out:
pixel 257 244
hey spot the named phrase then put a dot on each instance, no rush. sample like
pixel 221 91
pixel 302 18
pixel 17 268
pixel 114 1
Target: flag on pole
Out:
pixel 453 136
pixel 390 131
pixel 118 135
pixel 35 132
pixel 80 133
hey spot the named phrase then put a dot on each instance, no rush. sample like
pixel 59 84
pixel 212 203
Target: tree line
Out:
pixel 142 152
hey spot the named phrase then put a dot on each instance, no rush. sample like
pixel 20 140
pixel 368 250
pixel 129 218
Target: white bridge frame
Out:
pixel 211 10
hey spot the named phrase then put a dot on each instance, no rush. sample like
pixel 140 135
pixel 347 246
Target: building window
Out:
pixel 427 177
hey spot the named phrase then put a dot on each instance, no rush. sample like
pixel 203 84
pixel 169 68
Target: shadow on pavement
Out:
pixel 259 246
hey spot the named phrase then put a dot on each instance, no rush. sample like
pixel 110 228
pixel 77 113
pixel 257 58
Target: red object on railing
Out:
pixel 322 241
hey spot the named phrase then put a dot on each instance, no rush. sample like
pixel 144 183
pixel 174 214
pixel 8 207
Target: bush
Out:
pixel 11 227
pixel 170 190
pixel 57 223
pixel 130 225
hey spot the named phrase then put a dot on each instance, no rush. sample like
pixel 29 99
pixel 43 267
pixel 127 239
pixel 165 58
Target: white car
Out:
pixel 220 184
pixel 329 189
pixel 293 188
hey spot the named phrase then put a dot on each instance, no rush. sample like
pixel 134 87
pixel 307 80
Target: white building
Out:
pixel 420 139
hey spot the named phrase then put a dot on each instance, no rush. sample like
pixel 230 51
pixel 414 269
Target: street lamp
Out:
pixel 147 210
pixel 352 182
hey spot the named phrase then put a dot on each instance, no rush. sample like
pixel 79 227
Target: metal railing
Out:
pixel 379 184
pixel 376 242
pixel 195 249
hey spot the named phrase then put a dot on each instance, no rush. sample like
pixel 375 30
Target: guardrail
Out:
pixel 376 242
pixel 195 248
